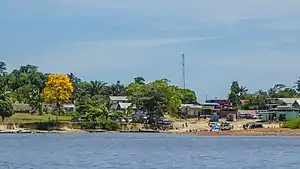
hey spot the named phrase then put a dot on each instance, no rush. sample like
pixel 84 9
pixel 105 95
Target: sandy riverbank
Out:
pixel 194 126
pixel 252 132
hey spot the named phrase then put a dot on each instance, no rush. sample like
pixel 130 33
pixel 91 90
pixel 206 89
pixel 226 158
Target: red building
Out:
pixel 222 103
pixel 225 108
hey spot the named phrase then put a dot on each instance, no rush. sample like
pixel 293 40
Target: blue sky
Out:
pixel 253 41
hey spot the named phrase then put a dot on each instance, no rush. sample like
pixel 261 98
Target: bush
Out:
pixel 174 115
pixel 292 124
pixel 102 124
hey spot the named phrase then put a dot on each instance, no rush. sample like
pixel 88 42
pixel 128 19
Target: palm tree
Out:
pixel 73 78
pixel 28 69
pixel 139 80
pixel 95 87
pixel 2 67
pixel 243 90
pixel 117 89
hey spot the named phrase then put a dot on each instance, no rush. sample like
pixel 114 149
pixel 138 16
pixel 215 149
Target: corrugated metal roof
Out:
pixel 21 107
pixel 191 106
pixel 297 101
pixel 124 105
pixel 118 98
pixel 210 104
pixel 288 100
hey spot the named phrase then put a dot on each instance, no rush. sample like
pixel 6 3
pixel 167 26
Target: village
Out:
pixel 212 115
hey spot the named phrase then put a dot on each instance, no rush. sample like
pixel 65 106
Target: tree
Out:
pixel 287 93
pixel 58 89
pixel 234 93
pixel 117 89
pixel 297 85
pixel 95 88
pixel 188 96
pixel 6 109
pixel 139 80
pixel 75 81
pixel 156 97
pixel 2 68
pixel 278 87
pixel 243 91
pixel 272 93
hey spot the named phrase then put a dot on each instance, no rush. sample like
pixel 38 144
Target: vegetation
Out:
pixel 33 118
pixel 58 89
pixel 46 93
pixel 258 100
pixel 292 124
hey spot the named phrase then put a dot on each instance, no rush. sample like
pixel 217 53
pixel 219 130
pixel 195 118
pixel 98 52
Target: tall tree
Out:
pixel 139 80
pixel 278 87
pixel 234 93
pixel 117 89
pixel 95 88
pixel 2 67
pixel 58 89
pixel 297 85
pixel 243 91
pixel 75 80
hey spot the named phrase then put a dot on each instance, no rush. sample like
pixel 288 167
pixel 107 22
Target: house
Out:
pixel 69 108
pixel 296 104
pixel 225 108
pixel 280 113
pixel 21 107
pixel 244 101
pixel 275 102
pixel 190 110
pixel 119 102
pixel 209 108
pixel 221 103
pixel 118 99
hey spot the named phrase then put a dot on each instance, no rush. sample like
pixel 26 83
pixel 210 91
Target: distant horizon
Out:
pixel 252 42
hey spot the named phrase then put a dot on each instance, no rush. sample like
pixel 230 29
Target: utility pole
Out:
pixel 183 69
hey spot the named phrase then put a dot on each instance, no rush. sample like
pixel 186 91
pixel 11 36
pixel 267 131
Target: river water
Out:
pixel 146 151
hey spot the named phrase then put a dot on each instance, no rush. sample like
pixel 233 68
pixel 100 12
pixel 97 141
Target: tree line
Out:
pixel 30 86
pixel 259 99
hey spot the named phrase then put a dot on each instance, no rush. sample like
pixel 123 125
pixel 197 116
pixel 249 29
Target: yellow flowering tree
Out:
pixel 58 89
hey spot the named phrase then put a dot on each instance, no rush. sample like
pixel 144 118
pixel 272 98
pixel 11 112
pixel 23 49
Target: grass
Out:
pixel 292 124
pixel 32 118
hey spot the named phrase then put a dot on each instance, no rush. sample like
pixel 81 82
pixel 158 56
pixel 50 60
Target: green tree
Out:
pixel 117 89
pixel 95 88
pixel 139 80
pixel 234 94
pixel 6 109
pixel 243 91
pixel 188 96
pixel 2 67
pixel 297 85
pixel 75 82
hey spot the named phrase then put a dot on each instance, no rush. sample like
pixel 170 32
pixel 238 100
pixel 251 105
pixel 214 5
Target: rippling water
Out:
pixel 146 151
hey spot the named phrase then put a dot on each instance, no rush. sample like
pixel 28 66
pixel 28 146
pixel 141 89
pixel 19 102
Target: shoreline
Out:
pixel 252 132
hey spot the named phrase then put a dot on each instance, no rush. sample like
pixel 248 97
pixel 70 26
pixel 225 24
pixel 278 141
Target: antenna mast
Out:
pixel 183 69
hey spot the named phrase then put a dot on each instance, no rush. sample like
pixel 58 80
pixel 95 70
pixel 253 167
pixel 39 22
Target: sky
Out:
pixel 252 41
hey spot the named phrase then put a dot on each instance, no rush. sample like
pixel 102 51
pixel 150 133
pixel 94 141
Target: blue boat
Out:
pixel 215 128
